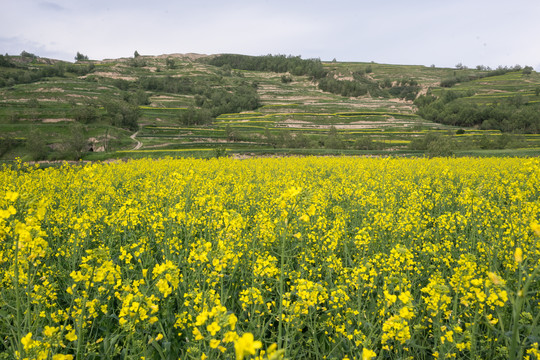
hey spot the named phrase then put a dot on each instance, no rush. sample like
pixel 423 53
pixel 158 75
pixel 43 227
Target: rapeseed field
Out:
pixel 296 258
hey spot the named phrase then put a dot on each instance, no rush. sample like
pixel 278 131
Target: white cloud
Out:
pixel 419 32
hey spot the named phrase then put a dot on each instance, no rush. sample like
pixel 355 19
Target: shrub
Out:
pixel 433 144
pixel 7 143
pixel 286 79
pixel 36 145
pixel 86 114
pixel 171 64
pixel 527 70
pixel 5 61
pixel 444 146
pixel 449 82
pixel 122 114
pixel 26 54
pixel 137 62
pixel 194 116
pixel 366 143
pixel 74 144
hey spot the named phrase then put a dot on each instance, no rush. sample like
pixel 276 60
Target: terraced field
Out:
pixel 294 116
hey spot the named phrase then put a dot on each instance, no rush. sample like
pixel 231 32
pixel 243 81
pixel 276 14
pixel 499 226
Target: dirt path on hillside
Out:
pixel 139 144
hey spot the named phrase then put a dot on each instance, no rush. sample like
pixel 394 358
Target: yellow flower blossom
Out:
pixel 536 228
pixel 213 328
pixel 368 354
pixel 214 343
pixel 71 336
pixel 27 341
pixel 62 357
pixel 246 345
pixel 418 251
pixel 518 255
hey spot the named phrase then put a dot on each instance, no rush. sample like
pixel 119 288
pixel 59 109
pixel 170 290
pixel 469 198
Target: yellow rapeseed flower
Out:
pixel 246 345
pixel 62 357
pixel 213 328
pixel 11 196
pixel 26 341
pixel 536 228
pixel 214 343
pixel 71 336
pixel 518 255
pixel 368 354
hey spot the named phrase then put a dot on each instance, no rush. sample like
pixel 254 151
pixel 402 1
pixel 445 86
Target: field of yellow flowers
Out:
pixel 315 258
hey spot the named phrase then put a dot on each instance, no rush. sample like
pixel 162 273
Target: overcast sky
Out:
pixel 425 32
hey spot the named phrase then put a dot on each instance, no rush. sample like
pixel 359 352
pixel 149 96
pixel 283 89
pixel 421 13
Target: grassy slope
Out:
pixel 289 110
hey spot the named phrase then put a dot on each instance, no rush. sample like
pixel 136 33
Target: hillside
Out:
pixel 198 105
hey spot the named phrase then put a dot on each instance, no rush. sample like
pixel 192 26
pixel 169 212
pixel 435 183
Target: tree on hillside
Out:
pixel 5 61
pixel 122 114
pixel 26 54
pixel 171 64
pixel 527 70
pixel 36 144
pixel 80 57
pixel 136 54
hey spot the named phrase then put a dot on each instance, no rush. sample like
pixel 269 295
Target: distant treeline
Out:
pixel 514 114
pixel 5 61
pixel 216 101
pixel 12 73
pixel 359 86
pixel 501 70
pixel 362 85
pixel 229 100
pixel 275 63
pixel 212 100
pixel 349 88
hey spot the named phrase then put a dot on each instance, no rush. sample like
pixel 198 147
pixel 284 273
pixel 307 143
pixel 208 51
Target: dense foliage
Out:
pixel 224 259
pixel 275 63
pixel 349 88
pixel 363 85
pixel 232 99
pixel 459 76
pixel 212 100
pixel 6 62
pixel 515 114
pixel 12 73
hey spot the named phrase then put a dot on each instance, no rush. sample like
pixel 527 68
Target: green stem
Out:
pixel 476 310
pixel 281 275
pixel 17 297
pixel 80 329
pixel 516 311
pixel 80 320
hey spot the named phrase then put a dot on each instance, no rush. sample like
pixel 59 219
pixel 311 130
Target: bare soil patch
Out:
pixel 112 75
pixel 53 89
pixel 157 146
pixel 292 121
pixel 57 120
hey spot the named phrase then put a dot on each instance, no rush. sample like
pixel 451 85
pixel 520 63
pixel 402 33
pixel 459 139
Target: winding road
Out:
pixel 139 144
